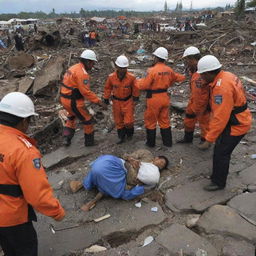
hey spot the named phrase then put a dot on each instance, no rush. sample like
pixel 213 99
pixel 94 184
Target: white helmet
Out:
pixel 88 55
pixel 17 104
pixel 192 50
pixel 161 53
pixel 122 62
pixel 208 63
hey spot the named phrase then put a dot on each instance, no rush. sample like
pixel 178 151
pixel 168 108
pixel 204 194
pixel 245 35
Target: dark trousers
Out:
pixel 20 240
pixel 223 149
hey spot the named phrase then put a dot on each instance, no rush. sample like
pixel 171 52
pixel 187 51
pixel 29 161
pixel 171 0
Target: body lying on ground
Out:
pixel 124 178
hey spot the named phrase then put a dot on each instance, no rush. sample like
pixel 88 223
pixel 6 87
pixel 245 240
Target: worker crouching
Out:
pixel 120 87
pixel 74 89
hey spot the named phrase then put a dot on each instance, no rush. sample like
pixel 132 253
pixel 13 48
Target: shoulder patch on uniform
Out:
pixel 219 82
pixel 37 163
pixel 26 142
pixel 218 99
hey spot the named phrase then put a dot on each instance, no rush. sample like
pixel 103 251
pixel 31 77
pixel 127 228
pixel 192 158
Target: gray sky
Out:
pixel 13 6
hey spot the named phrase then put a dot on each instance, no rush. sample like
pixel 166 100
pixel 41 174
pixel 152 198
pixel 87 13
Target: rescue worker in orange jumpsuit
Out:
pixel 93 36
pixel 159 78
pixel 120 87
pixel 230 119
pixel 74 88
pixel 198 106
pixel 23 182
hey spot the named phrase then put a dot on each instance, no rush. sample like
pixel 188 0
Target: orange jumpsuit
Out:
pixel 76 87
pixel 158 80
pixel 122 93
pixel 227 93
pixel 20 166
pixel 197 106
pixel 230 121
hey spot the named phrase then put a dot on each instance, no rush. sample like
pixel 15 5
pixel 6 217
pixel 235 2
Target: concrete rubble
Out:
pixel 188 220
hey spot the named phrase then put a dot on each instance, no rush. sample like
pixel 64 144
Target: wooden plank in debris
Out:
pixel 25 84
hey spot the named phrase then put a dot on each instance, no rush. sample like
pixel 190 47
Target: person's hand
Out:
pixel 135 164
pixel 204 145
pixel 103 105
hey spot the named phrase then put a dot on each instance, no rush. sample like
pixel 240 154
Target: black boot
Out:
pixel 68 134
pixel 188 138
pixel 166 136
pixel 121 135
pixel 151 137
pixel 129 133
pixel 89 139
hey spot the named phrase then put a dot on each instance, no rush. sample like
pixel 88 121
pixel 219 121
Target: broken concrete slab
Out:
pixel 75 150
pixel 25 84
pixel 248 176
pixel 224 220
pixel 49 75
pixel 191 196
pixel 237 248
pixel 245 204
pixel 20 61
pixel 177 238
pixel 126 220
pixel 7 86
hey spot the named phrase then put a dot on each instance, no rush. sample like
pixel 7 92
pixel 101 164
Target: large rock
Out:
pixel 192 197
pixel 49 75
pixel 21 61
pixel 7 86
pixel 178 238
pixel 224 220
pixel 248 176
pixel 238 248
pixel 245 204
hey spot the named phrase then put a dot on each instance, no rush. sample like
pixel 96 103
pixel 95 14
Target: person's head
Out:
pixel 121 64
pixel 161 162
pixel 161 55
pixel 208 67
pixel 191 57
pixel 88 58
pixel 16 109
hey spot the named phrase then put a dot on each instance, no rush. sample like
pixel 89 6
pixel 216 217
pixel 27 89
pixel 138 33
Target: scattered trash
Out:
pixel 95 248
pixel 138 205
pixel 154 209
pixel 148 241
pixel 102 218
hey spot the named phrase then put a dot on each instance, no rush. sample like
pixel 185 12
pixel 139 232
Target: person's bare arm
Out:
pixel 87 207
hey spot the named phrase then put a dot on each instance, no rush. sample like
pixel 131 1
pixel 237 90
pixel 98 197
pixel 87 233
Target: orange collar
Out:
pixel 213 84
pixel 8 129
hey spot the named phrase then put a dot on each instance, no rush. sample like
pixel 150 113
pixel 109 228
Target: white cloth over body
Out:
pixel 148 173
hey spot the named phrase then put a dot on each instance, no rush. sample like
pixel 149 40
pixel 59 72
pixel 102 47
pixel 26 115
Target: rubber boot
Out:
pixel 129 133
pixel 68 134
pixel 151 138
pixel 188 138
pixel 166 136
pixel 89 139
pixel 121 135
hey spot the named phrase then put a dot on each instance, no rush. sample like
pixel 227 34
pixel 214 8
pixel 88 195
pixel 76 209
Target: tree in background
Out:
pixel 165 6
pixel 240 8
pixel 252 3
